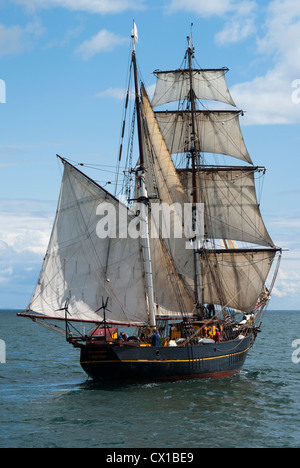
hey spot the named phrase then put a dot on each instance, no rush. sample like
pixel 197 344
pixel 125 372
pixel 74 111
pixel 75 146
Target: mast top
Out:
pixel 134 35
pixel 190 39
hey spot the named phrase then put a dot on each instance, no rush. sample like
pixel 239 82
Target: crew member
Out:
pixel 217 336
pixel 155 338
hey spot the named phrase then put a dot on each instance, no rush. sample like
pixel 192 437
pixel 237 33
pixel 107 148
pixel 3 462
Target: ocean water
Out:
pixel 47 402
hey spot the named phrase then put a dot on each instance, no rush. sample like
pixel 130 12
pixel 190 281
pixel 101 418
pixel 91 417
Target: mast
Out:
pixel 198 290
pixel 142 191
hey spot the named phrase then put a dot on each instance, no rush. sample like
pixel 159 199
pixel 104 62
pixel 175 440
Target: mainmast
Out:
pixel 142 192
pixel 193 150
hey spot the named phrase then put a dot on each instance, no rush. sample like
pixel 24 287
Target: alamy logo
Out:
pixel 2 352
pixel 168 221
pixel 296 353
pixel 296 93
pixel 2 92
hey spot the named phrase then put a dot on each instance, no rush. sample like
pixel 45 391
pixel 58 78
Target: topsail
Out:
pixel 217 132
pixel 175 86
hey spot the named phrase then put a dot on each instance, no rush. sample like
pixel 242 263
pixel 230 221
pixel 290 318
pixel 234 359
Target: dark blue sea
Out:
pixel 47 402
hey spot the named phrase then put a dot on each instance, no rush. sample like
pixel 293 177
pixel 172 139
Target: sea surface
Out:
pixel 47 402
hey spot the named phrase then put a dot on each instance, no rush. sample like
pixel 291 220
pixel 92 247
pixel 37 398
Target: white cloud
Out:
pixel 16 39
pixel 240 25
pixel 90 6
pixel 104 41
pixel 5 273
pixel 287 284
pixel 286 230
pixel 273 98
pixel 115 93
pixel 25 226
pixel 239 16
pixel 203 7
pixel 68 37
pixel 120 93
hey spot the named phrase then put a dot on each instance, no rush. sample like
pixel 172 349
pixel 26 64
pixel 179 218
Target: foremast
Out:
pixel 142 194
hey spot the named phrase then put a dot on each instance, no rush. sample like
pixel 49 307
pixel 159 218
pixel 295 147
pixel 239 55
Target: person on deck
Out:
pixel 217 336
pixel 155 338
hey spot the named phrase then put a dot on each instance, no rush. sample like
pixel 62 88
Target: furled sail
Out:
pixel 235 278
pixel 207 84
pixel 216 132
pixel 231 209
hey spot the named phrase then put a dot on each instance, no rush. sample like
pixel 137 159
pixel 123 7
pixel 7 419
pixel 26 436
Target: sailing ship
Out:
pixel 192 294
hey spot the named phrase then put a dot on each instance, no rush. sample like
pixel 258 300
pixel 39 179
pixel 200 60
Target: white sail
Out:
pixel 207 84
pixel 79 268
pixel 235 278
pixel 231 212
pixel 171 295
pixel 216 132
pixel 231 208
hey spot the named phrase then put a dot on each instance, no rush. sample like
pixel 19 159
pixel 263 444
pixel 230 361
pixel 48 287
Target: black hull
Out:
pixel 110 362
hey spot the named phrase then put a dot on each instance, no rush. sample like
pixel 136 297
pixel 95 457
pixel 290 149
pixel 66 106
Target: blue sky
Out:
pixel 64 63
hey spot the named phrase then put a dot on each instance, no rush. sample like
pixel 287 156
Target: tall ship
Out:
pixel 168 283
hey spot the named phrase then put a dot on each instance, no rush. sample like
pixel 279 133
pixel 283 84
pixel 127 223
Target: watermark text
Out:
pixel 2 92
pixel 296 93
pixel 296 353
pixel 166 221
pixel 2 352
